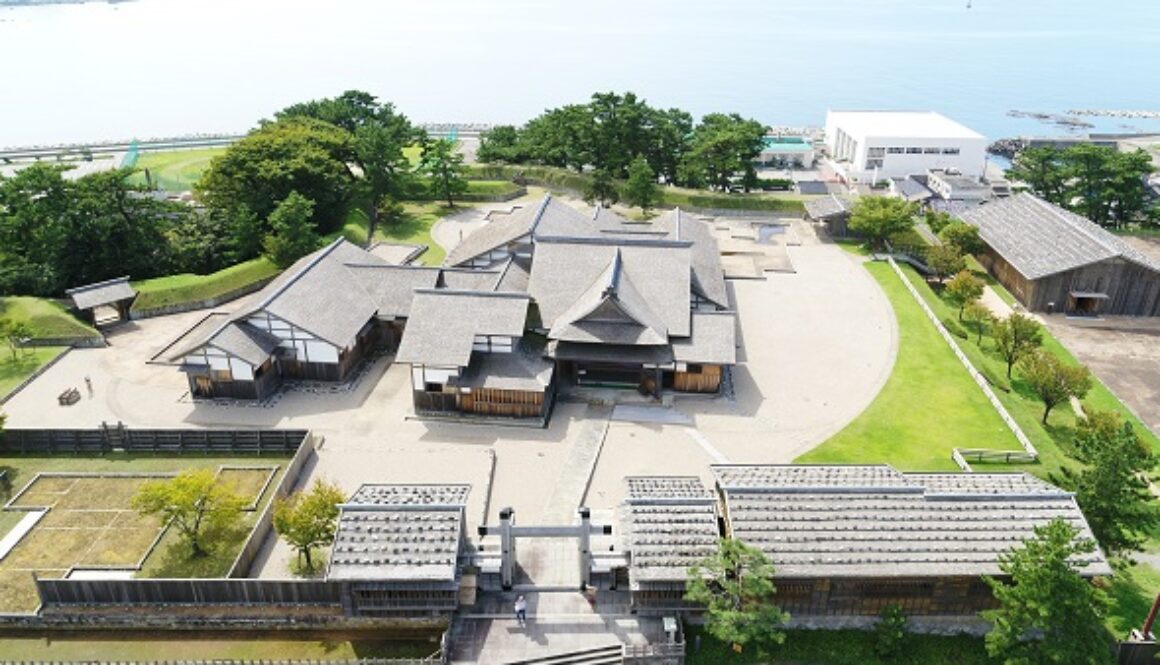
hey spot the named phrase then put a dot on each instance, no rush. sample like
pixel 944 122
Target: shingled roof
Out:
pixel 444 323
pixel 611 311
pixel 550 215
pixel 827 207
pixel 858 521
pixel 1040 239
pixel 102 293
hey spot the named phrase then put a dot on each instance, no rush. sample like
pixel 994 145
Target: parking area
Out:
pixel 1124 352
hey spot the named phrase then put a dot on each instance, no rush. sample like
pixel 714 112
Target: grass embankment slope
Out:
pixel 175 171
pixel 929 405
pixel 45 319
pixel 189 288
pixel 843 647
pixel 195 646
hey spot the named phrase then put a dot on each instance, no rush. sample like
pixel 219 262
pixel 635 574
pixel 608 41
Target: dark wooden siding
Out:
pixel 1132 289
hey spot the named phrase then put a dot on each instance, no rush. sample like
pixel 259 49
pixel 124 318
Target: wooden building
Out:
pixel 469 355
pixel 397 550
pixel 850 540
pixel 104 302
pixel 1053 260
pixel 831 211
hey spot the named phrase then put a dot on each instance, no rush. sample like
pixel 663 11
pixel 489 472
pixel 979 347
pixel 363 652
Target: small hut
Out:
pixel 105 302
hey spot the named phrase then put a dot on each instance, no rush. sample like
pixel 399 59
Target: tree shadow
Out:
pixel 173 557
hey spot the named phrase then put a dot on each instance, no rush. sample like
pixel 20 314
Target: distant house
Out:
pixel 953 186
pixel 794 151
pixel 869 145
pixel 1053 260
pixel 844 540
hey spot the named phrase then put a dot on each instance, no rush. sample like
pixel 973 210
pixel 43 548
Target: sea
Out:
pixel 152 68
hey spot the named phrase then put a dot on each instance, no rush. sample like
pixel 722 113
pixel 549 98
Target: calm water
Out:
pixel 163 67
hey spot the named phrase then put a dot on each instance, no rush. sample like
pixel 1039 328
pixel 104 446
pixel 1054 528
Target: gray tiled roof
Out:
pixel 827 207
pixel 713 341
pixel 874 521
pixel 391 288
pixel 564 269
pixel 399 533
pixel 247 342
pixel 524 369
pixel 549 215
pixel 1039 239
pixel 443 324
pixel 611 311
pixel 911 189
pixel 466 279
pixel 670 523
pixel 102 293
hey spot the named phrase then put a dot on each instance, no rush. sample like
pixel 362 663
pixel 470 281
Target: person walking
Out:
pixel 521 607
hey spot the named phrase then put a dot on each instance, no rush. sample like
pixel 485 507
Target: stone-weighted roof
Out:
pixel 670 523
pixel 873 521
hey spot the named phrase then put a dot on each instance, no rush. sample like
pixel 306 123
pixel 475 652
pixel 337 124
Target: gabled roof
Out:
pixel 443 324
pixel 565 269
pixel 873 521
pixel 550 215
pixel 102 293
pixel 391 288
pixel 238 339
pixel 1040 239
pixel 611 311
pixel 827 207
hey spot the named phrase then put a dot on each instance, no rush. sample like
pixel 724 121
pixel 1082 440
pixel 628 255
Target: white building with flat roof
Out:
pixel 868 146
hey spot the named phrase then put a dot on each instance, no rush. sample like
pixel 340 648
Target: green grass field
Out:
pixel 203 646
pixel 414 229
pixel 175 171
pixel 13 372
pixel 91 524
pixel 45 318
pixel 929 405
pixel 187 287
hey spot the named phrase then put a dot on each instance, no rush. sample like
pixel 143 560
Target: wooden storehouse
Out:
pixel 1053 260
pixel 851 540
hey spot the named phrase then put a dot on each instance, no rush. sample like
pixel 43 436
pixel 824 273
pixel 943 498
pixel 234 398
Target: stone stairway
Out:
pixel 612 655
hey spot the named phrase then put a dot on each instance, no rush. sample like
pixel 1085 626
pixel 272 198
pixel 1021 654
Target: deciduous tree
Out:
pixel 602 189
pixel 735 585
pixel 964 288
pixel 1052 380
pixel 976 313
pixel 641 188
pixel 1042 170
pixel 1048 614
pixel 194 503
pixel 1016 336
pixel 945 260
pixel 14 333
pixel 962 235
pixel 443 166
pixel 722 146
pixel 876 218
pixel 308 520
pixel 292 234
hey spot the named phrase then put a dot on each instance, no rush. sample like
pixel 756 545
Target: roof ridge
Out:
pixel 310 265
pixel 539 217
pixel 96 285
pixel 515 295
pixel 1080 224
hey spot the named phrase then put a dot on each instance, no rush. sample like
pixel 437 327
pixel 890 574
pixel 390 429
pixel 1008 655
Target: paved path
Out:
pixel 993 302
pixel 572 480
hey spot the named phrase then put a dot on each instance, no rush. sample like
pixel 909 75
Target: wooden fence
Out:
pixel 430 660
pixel 188 592
pixel 110 438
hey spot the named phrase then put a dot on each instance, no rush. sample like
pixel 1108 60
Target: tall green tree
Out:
pixel 1048 614
pixel 962 235
pixel 294 154
pixel 308 520
pixel 1112 489
pixel 1052 380
pixel 1100 183
pixel 602 189
pixel 945 260
pixel 876 218
pixel 379 136
pixel 964 288
pixel 1042 170
pixel 735 585
pixel 722 147
pixel 501 144
pixel 443 167
pixel 641 188
pixel 977 314
pixel 14 334
pixel 193 503
pixel 1016 336
pixel 292 234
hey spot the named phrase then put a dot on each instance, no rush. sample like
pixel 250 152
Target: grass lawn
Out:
pixel 91 523
pixel 27 361
pixel 842 647
pixel 927 407
pixel 45 318
pixel 203 646
pixel 415 228
pixel 187 287
pixel 176 170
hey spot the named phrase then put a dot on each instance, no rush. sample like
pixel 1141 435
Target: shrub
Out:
pixel 890 632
